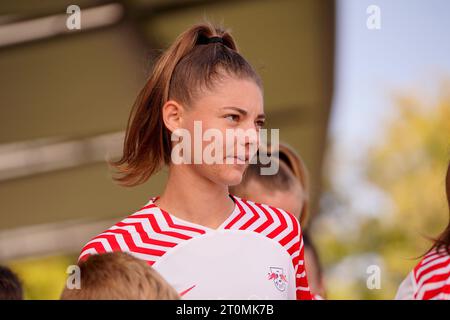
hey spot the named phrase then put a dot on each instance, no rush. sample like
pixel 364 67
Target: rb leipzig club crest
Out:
pixel 279 278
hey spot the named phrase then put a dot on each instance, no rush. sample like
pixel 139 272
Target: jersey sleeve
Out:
pixel 406 288
pixel 298 259
pixel 95 246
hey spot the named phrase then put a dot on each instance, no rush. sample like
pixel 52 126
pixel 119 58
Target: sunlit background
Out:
pixel 367 109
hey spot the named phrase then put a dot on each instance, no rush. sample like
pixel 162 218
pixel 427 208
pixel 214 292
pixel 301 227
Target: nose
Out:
pixel 251 136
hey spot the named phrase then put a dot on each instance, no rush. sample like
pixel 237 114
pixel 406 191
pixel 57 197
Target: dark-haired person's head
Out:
pixel 119 276
pixel 313 268
pixel 287 189
pixel 443 241
pixel 10 285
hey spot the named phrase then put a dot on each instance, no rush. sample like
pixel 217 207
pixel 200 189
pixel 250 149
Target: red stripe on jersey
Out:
pixel 435 268
pixel 239 216
pixel 430 294
pixel 446 289
pixel 302 281
pixel 295 232
pixel 178 226
pixel 303 291
pixel 304 295
pixel 169 220
pixel 252 220
pixel 144 236
pixel 438 273
pixel 97 246
pixel 281 227
pixel 133 247
pixel 295 247
pixel 427 268
pixel 111 239
pixel 268 222
pixel 436 278
pixel 424 263
pixel 155 226
pixel 150 206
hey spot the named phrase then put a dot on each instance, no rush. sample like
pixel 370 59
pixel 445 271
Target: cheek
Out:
pixel 204 130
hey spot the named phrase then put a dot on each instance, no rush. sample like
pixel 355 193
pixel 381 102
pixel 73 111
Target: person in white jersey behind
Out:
pixel 288 189
pixel 430 278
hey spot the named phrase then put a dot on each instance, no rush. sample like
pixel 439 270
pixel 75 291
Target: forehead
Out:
pixel 242 93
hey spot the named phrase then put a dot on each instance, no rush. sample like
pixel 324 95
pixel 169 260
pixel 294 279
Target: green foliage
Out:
pixel 408 165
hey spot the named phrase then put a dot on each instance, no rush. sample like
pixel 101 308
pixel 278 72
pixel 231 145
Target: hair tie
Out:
pixel 214 40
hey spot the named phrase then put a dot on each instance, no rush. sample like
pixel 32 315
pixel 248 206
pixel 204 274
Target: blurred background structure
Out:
pixel 367 109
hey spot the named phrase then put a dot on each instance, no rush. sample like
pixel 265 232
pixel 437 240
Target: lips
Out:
pixel 242 158
pixel 239 159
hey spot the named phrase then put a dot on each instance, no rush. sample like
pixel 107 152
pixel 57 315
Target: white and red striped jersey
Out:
pixel 429 280
pixel 257 252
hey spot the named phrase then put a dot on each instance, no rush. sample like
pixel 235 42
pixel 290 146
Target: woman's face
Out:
pixel 234 110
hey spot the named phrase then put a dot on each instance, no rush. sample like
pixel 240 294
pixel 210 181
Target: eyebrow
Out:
pixel 244 112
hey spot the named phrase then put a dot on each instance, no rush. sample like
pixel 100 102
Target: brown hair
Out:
pixel 298 167
pixel 291 170
pixel 187 67
pixel 119 276
pixel 10 285
pixel 443 241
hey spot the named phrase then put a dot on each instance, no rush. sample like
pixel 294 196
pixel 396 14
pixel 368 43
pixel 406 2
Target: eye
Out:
pixel 232 117
pixel 260 123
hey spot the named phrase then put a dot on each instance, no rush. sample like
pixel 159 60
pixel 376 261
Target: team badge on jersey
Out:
pixel 279 278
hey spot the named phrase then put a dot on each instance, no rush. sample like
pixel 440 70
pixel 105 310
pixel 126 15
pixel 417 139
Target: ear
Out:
pixel 172 114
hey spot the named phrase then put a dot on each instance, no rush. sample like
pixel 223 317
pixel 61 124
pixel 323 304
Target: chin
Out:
pixel 233 176
pixel 229 175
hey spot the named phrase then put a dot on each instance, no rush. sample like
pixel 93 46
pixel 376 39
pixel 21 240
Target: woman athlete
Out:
pixel 430 279
pixel 207 243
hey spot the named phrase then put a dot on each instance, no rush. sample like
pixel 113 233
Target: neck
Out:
pixel 194 198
